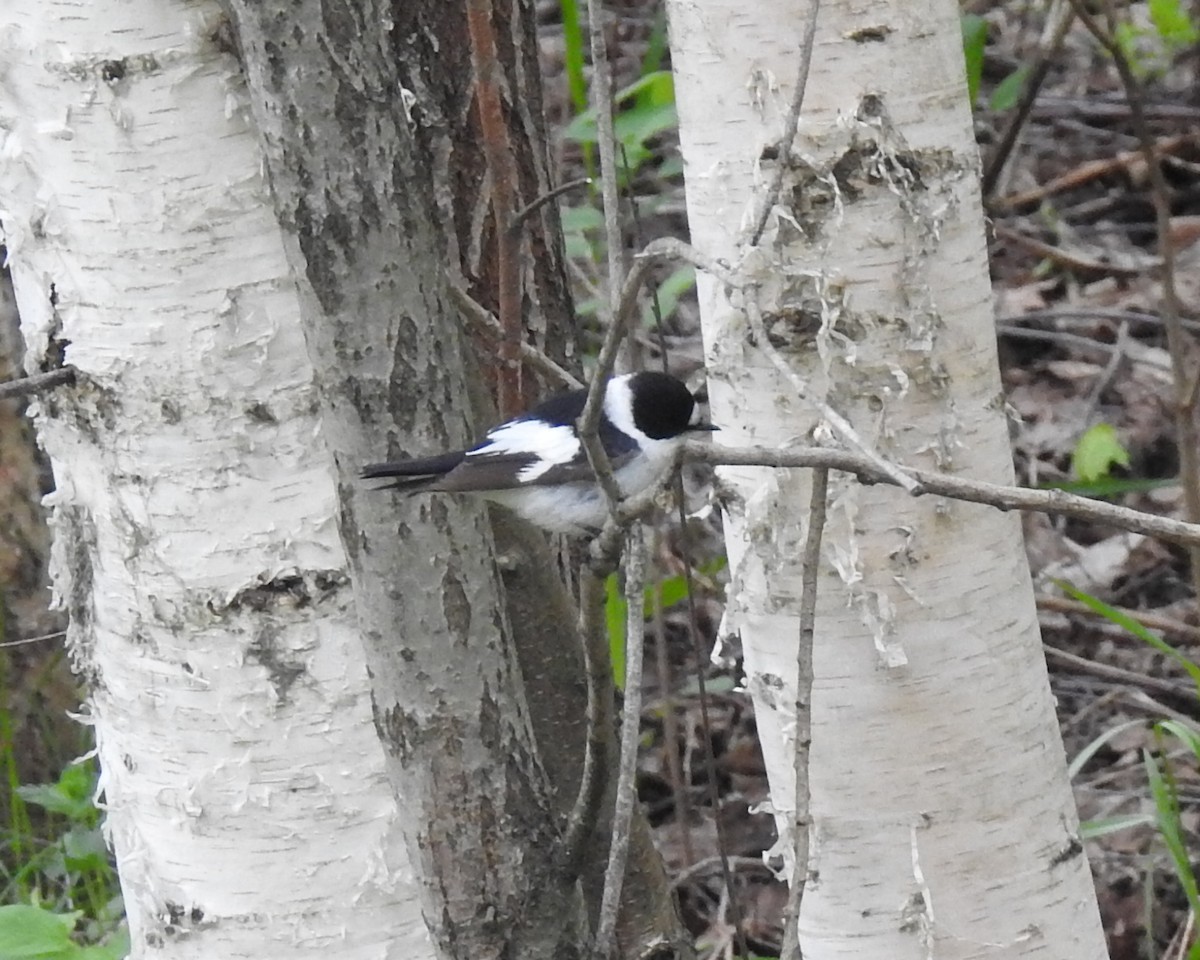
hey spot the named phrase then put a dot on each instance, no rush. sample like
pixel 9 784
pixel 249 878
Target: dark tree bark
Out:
pixel 378 160
pixel 356 205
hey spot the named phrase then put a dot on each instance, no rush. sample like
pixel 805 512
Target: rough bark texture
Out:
pixel 356 196
pixel 195 543
pixel 943 821
pixel 432 47
pixel 431 42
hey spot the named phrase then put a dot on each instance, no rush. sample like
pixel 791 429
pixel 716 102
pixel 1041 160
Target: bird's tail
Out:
pixel 411 476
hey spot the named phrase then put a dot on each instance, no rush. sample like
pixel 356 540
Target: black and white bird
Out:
pixel 536 466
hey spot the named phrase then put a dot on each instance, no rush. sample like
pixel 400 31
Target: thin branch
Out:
pixel 1187 432
pixel 618 853
pixel 1090 313
pixel 1171 688
pixel 485 322
pixel 710 762
pixel 38 383
pixel 585 813
pixel 1153 621
pixel 25 641
pixel 1057 502
pixel 753 864
pixel 790 124
pixel 606 140
pixel 525 213
pixel 502 172
pixel 802 739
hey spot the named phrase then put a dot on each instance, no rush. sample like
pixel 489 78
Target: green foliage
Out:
pixel 1008 91
pixel 1160 775
pixel 32 933
pixel 660 594
pixel 68 878
pixel 669 292
pixel 1096 452
pixel 974 37
pixel 1128 623
pixel 645 109
pixel 1150 50
pixel 1165 791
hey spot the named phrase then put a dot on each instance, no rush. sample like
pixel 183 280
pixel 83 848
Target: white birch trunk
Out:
pixel 197 549
pixel 943 824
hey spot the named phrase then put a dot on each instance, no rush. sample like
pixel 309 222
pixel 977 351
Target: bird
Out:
pixel 535 464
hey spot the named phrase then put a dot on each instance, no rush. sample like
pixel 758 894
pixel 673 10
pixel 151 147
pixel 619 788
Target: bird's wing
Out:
pixel 531 452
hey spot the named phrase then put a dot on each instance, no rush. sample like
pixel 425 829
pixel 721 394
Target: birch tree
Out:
pixel 219 394
pixel 942 823
pixel 196 548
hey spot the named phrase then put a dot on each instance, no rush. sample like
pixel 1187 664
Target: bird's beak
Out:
pixel 704 427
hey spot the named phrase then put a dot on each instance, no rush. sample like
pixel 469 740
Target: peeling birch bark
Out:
pixel 944 825
pixel 196 544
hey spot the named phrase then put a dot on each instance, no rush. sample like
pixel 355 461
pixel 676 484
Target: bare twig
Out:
pixel 679 782
pixel 606 140
pixel 1148 619
pixel 1090 313
pixel 1171 688
pixel 802 739
pixel 1187 432
pixel 502 172
pixel 484 321
pixel 956 488
pixel 525 213
pixel 38 383
pixel 708 864
pixel 618 853
pixel 1086 172
pixel 581 822
pixel 790 124
pixel 710 762
pixel 25 641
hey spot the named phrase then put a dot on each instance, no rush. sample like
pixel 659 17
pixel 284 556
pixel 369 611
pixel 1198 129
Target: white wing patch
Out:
pixel 549 446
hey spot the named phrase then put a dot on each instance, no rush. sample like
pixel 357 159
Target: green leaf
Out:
pixel 669 292
pixel 1008 91
pixel 614 618
pixel 1172 22
pixel 1096 452
pixel 974 37
pixel 71 796
pixel 30 932
pixel 1094 746
pixel 1102 827
pixel 1166 802
pixel 573 56
pixel 654 92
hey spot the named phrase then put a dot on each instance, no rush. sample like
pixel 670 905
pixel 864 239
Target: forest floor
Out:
pixel 1074 250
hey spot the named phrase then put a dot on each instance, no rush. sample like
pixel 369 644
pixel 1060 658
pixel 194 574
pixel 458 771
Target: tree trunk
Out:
pixel 434 59
pixel 943 823
pixel 211 615
pixel 358 201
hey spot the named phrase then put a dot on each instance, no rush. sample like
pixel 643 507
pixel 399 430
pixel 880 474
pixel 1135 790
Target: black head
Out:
pixel 662 406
